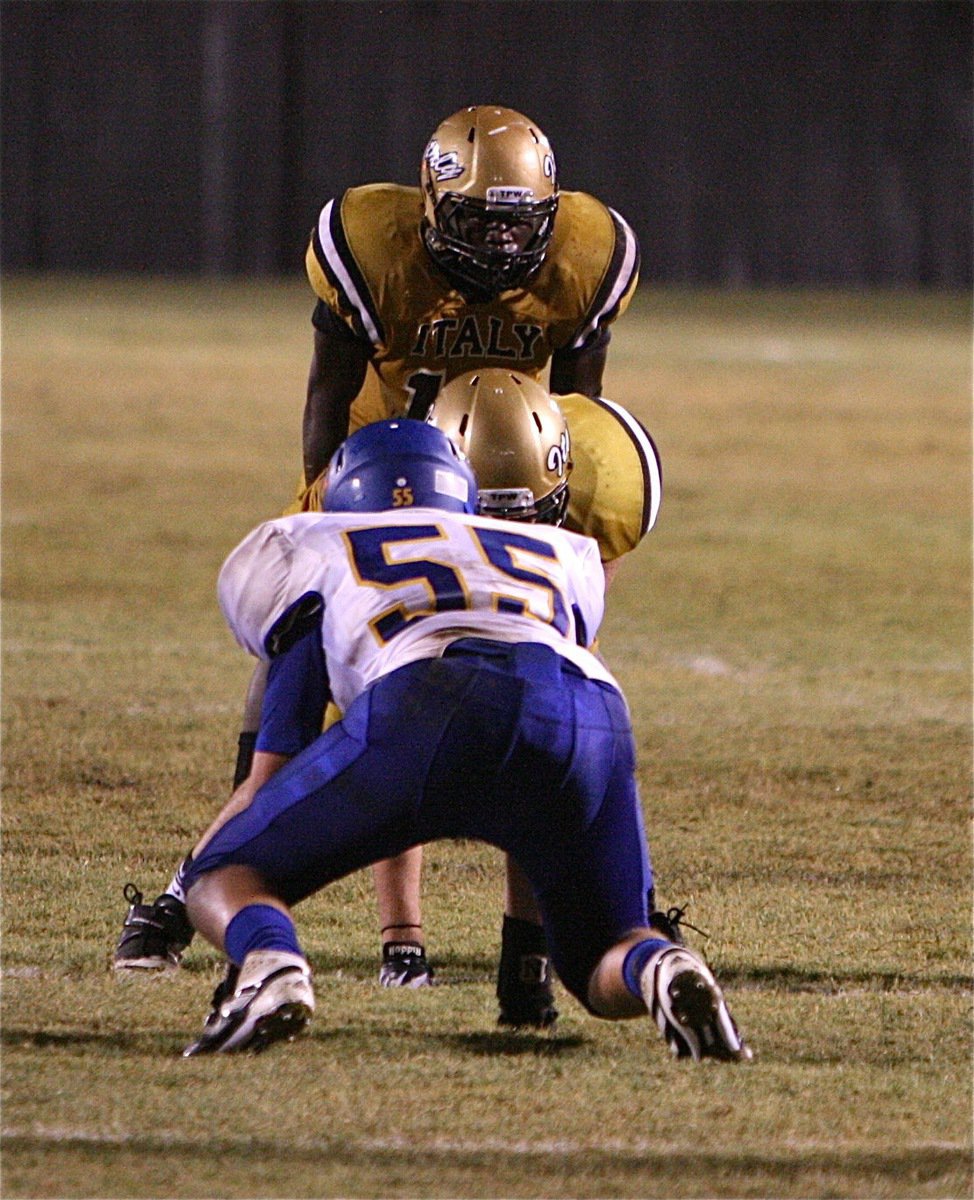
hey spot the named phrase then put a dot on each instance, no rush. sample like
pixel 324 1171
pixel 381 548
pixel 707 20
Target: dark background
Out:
pixel 747 143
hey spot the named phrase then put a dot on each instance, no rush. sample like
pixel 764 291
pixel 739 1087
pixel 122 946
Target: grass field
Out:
pixel 795 641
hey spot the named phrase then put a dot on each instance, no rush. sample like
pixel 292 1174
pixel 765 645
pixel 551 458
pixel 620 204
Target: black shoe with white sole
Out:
pixel 154 935
pixel 404 965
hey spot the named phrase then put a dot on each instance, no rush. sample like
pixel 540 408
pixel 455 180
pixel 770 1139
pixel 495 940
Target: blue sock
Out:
pixel 259 927
pixel 636 960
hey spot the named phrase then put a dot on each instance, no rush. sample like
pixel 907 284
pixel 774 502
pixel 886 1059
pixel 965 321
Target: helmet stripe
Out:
pixel 619 278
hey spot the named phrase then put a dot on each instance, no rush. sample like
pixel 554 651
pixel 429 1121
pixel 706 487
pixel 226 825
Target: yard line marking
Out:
pixel 437 1145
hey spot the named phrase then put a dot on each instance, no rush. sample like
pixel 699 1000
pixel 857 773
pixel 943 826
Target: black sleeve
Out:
pixel 581 370
pixel 327 321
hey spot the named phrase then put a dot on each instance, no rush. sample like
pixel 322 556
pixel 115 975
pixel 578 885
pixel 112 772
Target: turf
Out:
pixel 795 642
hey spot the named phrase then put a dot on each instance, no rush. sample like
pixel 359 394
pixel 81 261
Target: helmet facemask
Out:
pixel 519 504
pixel 467 238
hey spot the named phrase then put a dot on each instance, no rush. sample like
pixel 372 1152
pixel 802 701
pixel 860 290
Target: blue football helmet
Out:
pixel 399 464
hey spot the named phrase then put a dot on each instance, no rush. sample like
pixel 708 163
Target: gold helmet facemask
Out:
pixel 516 439
pixel 490 196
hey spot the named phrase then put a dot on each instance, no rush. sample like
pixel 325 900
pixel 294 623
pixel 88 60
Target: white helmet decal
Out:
pixel 559 455
pixel 443 166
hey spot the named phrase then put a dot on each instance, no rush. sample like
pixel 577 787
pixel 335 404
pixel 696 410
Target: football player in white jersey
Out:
pixel 517 436
pixel 458 647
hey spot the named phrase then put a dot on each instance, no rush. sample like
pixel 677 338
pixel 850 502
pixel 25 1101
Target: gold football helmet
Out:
pixel 490 195
pixel 516 439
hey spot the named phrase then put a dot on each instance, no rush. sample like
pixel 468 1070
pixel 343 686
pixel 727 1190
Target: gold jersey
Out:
pixel 368 265
pixel 616 483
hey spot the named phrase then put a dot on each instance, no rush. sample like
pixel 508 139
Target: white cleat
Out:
pixel 687 1004
pixel 272 1001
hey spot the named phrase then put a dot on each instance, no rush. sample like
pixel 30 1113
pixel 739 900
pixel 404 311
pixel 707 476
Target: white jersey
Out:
pixel 401 585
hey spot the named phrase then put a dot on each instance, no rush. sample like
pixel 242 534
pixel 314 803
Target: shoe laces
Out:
pixel 675 916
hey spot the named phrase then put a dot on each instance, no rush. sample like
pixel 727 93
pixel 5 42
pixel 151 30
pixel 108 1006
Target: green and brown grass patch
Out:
pixel 795 642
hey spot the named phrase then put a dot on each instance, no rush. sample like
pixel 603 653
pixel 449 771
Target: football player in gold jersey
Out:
pixel 487 264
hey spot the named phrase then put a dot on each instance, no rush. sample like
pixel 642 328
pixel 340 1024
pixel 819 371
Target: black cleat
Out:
pixel 524 988
pixel 670 925
pixel 404 965
pixel 153 936
pixel 530 1003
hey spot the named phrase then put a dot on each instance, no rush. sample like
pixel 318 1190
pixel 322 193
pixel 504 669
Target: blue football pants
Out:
pixel 508 744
